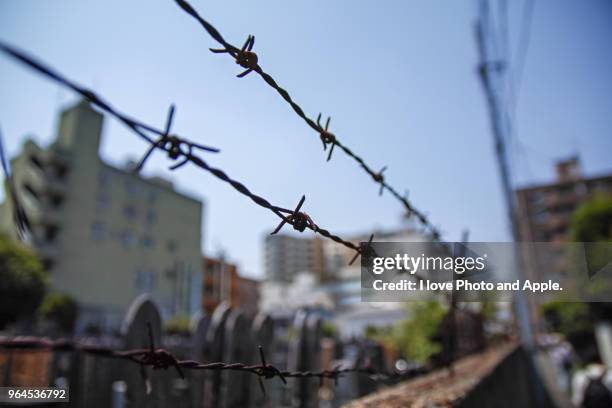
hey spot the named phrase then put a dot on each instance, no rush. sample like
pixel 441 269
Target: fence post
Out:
pixel 199 329
pixel 136 336
pixel 213 352
pixel 304 356
pixel 262 332
pixel 234 384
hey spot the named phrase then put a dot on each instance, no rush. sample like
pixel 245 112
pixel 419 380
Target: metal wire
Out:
pixel 246 58
pixel 160 358
pixel 175 148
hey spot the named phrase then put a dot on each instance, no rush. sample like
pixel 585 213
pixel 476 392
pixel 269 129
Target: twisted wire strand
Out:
pixel 160 358
pixel 376 176
pixel 291 217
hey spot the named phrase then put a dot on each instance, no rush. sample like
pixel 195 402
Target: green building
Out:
pixel 106 234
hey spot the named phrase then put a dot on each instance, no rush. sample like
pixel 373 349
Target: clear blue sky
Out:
pixel 398 78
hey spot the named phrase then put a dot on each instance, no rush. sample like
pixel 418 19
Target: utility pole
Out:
pixel 492 70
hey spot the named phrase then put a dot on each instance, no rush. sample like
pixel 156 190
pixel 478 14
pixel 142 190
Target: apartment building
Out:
pixel 106 234
pixel 544 215
pixel 545 212
pixel 222 283
pixel 287 255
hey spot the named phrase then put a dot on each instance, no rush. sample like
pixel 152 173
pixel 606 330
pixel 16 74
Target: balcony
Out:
pixel 42 213
pixel 43 182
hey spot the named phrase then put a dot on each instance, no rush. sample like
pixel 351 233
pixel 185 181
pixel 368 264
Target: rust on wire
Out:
pixel 253 65
pixel 362 249
pixel 162 359
pixel 299 220
pixel 173 146
pixel 326 136
pixel 245 57
pixel 138 127
pixel 380 178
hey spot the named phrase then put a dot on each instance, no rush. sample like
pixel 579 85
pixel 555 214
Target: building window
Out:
pixel 131 187
pixel 51 234
pixel 104 178
pixel 536 198
pixel 97 231
pixel 146 280
pixel 102 202
pixel 151 217
pixel 541 217
pixel 171 246
pixel 34 160
pixel 56 201
pixel 152 196
pixel 28 188
pixel 130 212
pixel 148 242
pixel 128 239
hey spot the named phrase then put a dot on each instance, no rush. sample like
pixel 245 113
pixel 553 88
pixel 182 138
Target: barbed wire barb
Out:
pixel 253 65
pixel 161 359
pixel 172 145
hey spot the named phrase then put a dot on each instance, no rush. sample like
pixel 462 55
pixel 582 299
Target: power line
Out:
pixel 520 56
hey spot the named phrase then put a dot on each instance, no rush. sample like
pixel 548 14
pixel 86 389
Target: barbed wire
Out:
pixel 174 146
pixel 248 59
pixel 162 359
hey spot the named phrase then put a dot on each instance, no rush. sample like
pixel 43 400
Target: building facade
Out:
pixel 545 211
pixel 545 214
pixel 285 256
pixel 105 234
pixel 335 287
pixel 222 283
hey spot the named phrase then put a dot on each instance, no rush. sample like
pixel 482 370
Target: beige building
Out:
pixel 287 255
pixel 105 234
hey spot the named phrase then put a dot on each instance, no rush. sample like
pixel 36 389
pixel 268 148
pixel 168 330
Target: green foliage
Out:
pixel 413 337
pixel 592 221
pixel 329 329
pixel 178 324
pixel 22 282
pixel 61 309
pixel 489 310
pixel 568 318
pixel 377 333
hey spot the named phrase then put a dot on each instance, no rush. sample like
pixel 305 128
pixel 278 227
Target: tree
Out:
pixel 22 282
pixel 592 221
pixel 414 337
pixel 568 318
pixel 591 224
pixel 61 309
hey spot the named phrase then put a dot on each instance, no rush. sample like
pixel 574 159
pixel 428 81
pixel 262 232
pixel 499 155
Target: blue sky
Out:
pixel 397 77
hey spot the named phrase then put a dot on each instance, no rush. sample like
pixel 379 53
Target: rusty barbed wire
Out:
pixel 172 144
pixel 159 358
pixel 248 59
pixel 169 143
